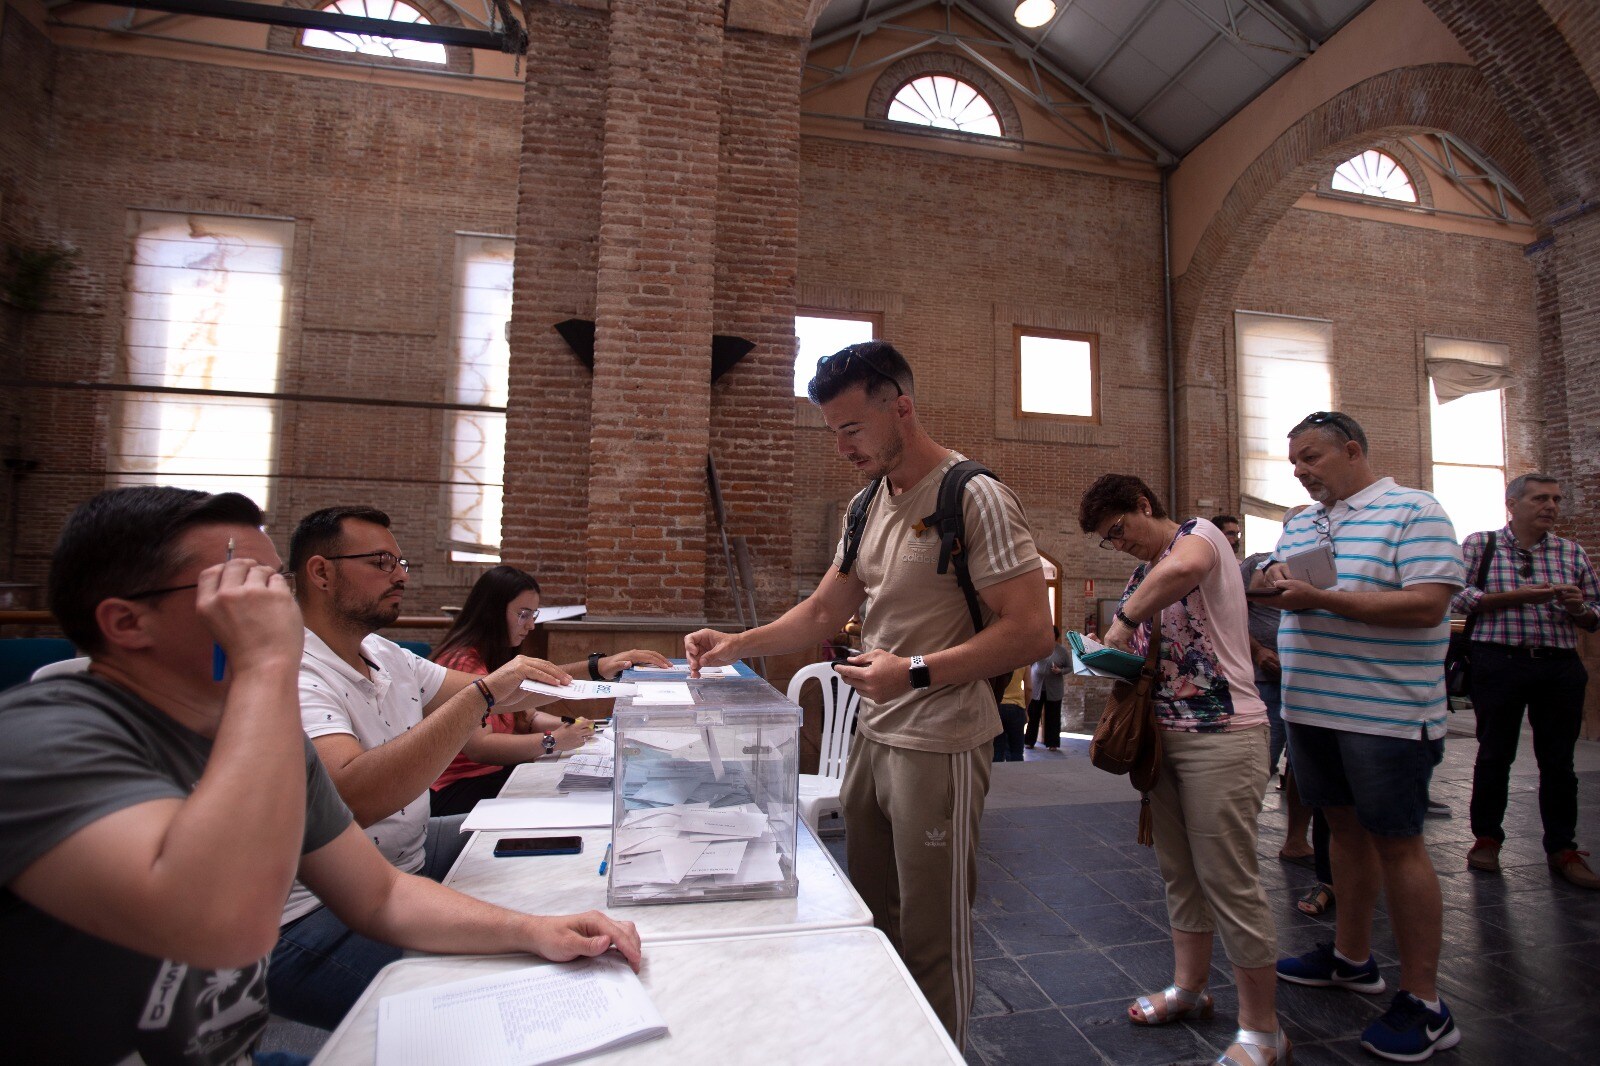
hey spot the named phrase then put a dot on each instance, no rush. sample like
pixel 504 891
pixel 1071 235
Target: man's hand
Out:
pixel 1297 595
pixel 707 647
pixel 506 682
pixel 252 614
pixel 613 665
pixel 878 675
pixel 1539 593
pixel 1266 660
pixel 571 936
pixel 1570 597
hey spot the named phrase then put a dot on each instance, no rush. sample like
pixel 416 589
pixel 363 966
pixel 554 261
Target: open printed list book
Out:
pixel 529 1017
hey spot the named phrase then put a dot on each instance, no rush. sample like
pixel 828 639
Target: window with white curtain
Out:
pixel 1284 374
pixel 1466 413
pixel 482 357
pixel 205 311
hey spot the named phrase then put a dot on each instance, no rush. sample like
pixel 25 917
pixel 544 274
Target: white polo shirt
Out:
pixel 334 698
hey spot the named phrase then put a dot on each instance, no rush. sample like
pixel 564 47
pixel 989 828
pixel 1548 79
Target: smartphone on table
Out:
pixel 508 847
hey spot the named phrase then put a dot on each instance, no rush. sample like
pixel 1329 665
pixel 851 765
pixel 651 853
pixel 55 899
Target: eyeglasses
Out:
pixel 1324 530
pixel 1335 420
pixel 837 363
pixel 287 575
pixel 385 561
pixel 1524 562
pixel 526 614
pixel 1113 535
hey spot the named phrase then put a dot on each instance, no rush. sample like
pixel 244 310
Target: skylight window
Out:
pixel 1372 173
pixel 945 103
pixel 366 44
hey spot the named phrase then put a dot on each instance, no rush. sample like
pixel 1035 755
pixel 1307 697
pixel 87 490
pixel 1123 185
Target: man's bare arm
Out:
pixel 813 619
pixel 1417 607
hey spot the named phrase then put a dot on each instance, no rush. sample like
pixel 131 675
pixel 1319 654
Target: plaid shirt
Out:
pixel 1556 561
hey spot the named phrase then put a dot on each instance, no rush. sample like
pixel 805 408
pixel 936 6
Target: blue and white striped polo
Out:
pixel 1343 674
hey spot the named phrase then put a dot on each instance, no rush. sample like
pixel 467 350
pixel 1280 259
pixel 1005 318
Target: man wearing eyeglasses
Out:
pixel 153 815
pixel 385 723
pixel 1539 589
pixel 918 771
pixel 1363 695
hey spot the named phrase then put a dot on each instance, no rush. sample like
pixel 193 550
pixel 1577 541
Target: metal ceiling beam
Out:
pixel 1287 26
pixel 512 39
pixel 1232 32
pixel 1122 42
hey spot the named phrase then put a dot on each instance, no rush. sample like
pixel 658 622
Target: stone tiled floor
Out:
pixel 1071 927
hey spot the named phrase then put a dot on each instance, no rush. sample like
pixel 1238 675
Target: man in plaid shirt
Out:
pixel 1539 589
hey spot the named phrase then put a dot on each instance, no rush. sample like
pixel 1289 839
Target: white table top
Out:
pixel 565 884
pixel 818 996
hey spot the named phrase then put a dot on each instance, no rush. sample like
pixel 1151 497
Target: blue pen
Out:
pixel 219 658
pixel 605 862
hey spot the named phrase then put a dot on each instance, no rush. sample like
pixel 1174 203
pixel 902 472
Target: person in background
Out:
pixel 1539 591
pixel 1363 693
pixel 498 614
pixel 1206 805
pixel 1008 746
pixel 1228 526
pixel 1046 686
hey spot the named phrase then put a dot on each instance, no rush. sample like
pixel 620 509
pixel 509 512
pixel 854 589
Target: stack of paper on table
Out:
pixel 532 1017
pixel 707 673
pixel 579 810
pixel 581 690
pixel 587 771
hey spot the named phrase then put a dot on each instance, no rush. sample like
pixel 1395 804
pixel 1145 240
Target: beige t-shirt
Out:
pixel 912 609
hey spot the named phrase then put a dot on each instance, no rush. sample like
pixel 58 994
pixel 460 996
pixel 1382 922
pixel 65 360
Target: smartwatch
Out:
pixel 549 742
pixel 920 678
pixel 594 665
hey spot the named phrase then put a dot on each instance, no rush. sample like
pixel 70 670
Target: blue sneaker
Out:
pixel 1409 1032
pixel 1321 968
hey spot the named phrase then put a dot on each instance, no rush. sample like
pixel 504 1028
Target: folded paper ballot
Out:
pixel 537 1016
pixel 581 690
pixel 1090 658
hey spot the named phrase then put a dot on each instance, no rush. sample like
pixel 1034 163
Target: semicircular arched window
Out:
pixel 1373 173
pixel 945 103
pixel 367 44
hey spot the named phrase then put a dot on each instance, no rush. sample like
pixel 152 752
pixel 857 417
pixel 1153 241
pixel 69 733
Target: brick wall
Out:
pixel 1384 286
pixel 378 181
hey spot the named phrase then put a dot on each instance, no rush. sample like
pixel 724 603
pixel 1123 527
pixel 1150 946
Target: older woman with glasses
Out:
pixel 1214 757
pixel 498 615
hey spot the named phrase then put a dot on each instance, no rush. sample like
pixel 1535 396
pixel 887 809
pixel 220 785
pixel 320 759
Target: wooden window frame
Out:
pixel 1092 339
pixel 873 317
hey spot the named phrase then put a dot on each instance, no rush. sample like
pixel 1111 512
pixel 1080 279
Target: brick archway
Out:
pixel 1452 98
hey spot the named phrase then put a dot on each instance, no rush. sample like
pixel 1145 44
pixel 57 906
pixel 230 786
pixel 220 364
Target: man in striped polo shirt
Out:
pixel 1363 693
pixel 1539 589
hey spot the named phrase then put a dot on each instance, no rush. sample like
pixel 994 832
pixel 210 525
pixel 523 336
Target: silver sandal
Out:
pixel 1176 1004
pixel 1253 1042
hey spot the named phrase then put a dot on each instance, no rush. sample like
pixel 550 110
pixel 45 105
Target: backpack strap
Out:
pixel 1480 582
pixel 949 522
pixel 856 524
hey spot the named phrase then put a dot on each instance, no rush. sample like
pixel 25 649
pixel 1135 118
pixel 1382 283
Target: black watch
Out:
pixel 549 743
pixel 920 678
pixel 594 665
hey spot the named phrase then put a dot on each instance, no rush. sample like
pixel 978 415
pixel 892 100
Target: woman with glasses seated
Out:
pixel 1213 774
pixel 498 615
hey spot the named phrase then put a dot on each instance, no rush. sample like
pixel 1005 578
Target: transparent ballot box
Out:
pixel 706 793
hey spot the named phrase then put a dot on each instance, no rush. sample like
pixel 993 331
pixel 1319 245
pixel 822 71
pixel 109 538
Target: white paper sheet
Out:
pixel 706 672
pixel 724 820
pixel 576 810
pixel 759 866
pixel 533 1017
pixel 555 614
pixel 1083 669
pixel 720 858
pixel 581 690
pixel 662 694
pixel 663 739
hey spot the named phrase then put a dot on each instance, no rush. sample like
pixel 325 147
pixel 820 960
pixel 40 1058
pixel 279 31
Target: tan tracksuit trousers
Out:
pixel 911 824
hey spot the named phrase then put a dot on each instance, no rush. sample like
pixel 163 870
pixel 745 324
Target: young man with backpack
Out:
pixel 954 595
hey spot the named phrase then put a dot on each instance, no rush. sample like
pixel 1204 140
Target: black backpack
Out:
pixel 948 520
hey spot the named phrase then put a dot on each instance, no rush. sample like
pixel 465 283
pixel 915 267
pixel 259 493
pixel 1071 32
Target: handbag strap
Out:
pixel 1480 583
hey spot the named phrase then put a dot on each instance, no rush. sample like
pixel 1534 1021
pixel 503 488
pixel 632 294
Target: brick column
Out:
pixel 650 425
pixel 1576 409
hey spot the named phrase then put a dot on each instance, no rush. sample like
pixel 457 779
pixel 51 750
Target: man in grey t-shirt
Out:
pixel 154 812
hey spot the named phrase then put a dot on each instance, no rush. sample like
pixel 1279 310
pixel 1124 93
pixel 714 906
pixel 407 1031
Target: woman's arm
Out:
pixel 1168 581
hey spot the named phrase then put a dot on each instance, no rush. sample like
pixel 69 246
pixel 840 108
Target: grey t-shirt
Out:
pixel 1263 621
pixel 72 751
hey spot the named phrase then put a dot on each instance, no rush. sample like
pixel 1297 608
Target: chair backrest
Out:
pixel 839 705
pixel 420 647
pixel 21 656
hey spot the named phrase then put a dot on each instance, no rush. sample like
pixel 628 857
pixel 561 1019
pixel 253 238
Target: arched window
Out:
pixel 1373 173
pixel 366 44
pixel 945 103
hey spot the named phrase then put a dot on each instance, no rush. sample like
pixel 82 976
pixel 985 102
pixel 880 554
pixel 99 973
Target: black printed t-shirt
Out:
pixel 72 751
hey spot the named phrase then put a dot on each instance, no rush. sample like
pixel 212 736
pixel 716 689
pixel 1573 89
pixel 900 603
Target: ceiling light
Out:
pixel 1034 13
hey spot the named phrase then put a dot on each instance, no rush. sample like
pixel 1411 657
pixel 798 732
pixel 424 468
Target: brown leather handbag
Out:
pixel 1128 740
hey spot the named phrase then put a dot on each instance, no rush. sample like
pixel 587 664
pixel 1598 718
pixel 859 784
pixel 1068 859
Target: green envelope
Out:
pixel 1123 664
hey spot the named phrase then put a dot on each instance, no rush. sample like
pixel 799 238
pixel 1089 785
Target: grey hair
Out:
pixel 1519 484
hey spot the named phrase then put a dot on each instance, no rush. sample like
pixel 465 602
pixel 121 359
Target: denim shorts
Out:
pixel 1384 778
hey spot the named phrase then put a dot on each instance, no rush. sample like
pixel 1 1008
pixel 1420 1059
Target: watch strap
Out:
pixel 920 675
pixel 594 665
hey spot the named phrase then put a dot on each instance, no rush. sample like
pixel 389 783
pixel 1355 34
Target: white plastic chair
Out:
pixel 819 792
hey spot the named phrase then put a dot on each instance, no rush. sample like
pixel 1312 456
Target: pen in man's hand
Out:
pixel 219 658
pixel 605 862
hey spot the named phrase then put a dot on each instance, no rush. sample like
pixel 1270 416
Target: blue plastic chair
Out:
pixel 21 656
pixel 420 647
